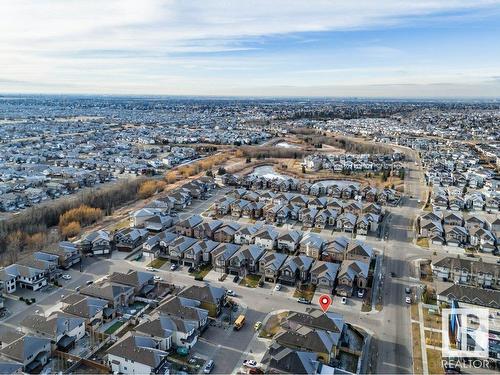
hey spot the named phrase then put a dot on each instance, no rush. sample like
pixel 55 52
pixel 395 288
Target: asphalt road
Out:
pixel 391 344
pixel 391 348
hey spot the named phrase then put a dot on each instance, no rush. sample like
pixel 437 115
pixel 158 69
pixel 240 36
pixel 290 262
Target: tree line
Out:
pixel 29 229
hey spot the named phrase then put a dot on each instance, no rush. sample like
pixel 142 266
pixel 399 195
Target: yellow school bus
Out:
pixel 238 323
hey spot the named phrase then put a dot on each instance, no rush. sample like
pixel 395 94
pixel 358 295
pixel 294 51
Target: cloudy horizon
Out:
pixel 289 48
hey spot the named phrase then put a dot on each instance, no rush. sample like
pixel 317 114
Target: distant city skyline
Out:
pixel 387 48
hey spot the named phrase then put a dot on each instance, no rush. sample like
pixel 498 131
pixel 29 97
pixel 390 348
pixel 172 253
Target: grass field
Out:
pixel 434 361
pixel 417 350
pixel 157 263
pixel 433 338
pixel 250 281
pixel 204 270
pixel 414 311
pixel 120 225
pixel 112 329
pixel 272 325
pixel 306 292
pixel 432 321
pixel 423 242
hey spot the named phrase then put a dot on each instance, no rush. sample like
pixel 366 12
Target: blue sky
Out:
pixel 384 48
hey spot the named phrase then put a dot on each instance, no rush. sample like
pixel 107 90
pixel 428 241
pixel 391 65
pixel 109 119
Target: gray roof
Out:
pixel 83 306
pixel 268 233
pixel 285 360
pixel 325 269
pixel 292 236
pixel 191 221
pixel 108 291
pixel 164 326
pixel 468 265
pixel 360 248
pixel 138 348
pixel 184 308
pixel 315 318
pixel 313 240
pixel 225 251
pixel 205 246
pixel 301 263
pixel 133 278
pixel 205 293
pixel 353 268
pixel 273 260
pixel 24 347
pixel 15 270
pixel 476 296
pixel 310 339
pixel 54 325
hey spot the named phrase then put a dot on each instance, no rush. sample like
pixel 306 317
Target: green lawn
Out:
pixel 251 281
pixel 157 263
pixel 114 327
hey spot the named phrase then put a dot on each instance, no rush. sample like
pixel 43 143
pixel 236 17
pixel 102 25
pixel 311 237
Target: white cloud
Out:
pixel 101 45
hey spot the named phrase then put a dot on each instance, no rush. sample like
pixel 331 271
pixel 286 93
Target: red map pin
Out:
pixel 325 301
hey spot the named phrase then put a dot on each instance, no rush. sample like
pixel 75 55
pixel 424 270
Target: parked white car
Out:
pixel 249 363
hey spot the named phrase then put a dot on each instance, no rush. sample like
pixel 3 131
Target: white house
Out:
pixel 137 354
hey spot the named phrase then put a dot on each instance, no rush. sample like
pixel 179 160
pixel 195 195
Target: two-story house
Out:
pixel 324 275
pixel 270 264
pixel 246 259
pixel 267 238
pixel 63 329
pixel 289 242
pixel 312 245
pixel 295 269
pixel 211 298
pixel 186 227
pixel 352 274
pixel 221 256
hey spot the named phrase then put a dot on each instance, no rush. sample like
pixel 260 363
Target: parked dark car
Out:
pixel 236 278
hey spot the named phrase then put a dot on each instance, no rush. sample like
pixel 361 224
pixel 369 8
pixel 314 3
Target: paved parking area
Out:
pixel 225 345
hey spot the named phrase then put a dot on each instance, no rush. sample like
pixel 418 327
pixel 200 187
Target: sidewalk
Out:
pixel 425 365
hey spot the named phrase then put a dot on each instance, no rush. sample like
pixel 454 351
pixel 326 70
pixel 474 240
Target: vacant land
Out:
pixel 272 325
pixel 417 351
pixel 306 292
pixel 434 361
pixel 157 263
pixel 250 281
